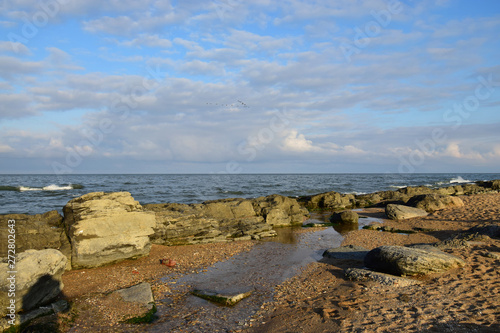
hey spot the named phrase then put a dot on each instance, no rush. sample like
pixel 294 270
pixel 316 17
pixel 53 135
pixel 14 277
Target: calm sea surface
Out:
pixel 34 194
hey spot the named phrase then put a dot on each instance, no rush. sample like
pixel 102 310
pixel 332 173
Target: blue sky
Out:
pixel 231 86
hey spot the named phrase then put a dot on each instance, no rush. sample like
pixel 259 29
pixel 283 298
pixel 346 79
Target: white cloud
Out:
pixel 5 148
pixel 296 142
pixel 148 41
pixel 14 47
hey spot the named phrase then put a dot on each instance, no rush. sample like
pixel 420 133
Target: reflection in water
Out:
pixel 266 265
pixel 344 228
pixel 285 235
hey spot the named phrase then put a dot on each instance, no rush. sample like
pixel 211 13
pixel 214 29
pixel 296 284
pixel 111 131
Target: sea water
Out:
pixel 35 194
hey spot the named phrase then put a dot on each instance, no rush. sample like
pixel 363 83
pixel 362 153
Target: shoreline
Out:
pixel 306 288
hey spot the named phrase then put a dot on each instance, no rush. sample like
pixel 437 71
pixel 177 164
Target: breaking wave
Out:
pixel 51 187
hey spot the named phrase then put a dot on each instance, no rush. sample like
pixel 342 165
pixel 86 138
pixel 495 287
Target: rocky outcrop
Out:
pixel 403 261
pixel 107 227
pixel 490 184
pixel 37 279
pixel 330 201
pixel 402 212
pixel 223 220
pixel 347 216
pixel 279 211
pixel 433 202
pixel 37 232
pixel 404 194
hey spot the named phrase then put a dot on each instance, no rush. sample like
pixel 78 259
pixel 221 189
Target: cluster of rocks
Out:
pixel 390 265
pixel 415 206
pixel 101 228
pixel 338 201
pixel 224 220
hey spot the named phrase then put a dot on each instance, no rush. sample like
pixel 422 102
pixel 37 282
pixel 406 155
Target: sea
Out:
pixel 36 194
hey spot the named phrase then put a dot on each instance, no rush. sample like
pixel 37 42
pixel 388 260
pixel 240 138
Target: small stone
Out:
pixel 224 298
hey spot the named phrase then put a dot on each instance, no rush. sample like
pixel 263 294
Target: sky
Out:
pixel 233 86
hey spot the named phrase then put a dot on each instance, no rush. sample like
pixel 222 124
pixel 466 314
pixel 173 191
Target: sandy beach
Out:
pixel 319 299
pixel 462 300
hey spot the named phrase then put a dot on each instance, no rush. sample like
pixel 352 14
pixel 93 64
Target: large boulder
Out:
pixel 37 279
pixel 402 212
pixel 213 221
pixel 347 216
pixel 433 202
pixel 405 261
pixel 107 227
pixel 37 232
pixel 329 200
pixel 278 210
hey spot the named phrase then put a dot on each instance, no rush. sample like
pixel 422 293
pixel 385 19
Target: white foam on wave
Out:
pixel 459 180
pixel 51 187
pixel 27 188
pixel 357 193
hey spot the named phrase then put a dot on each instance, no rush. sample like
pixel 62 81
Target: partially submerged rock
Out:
pixel 37 279
pixel 349 252
pixel 359 274
pixel 399 260
pixel 347 216
pixel 402 212
pixel 107 227
pixel 223 298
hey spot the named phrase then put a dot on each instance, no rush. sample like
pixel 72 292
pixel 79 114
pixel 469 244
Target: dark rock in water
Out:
pixel 401 212
pixel 491 184
pixel 37 232
pixel 404 261
pixel 350 252
pixel 433 202
pixel 359 274
pixel 223 298
pixel 347 216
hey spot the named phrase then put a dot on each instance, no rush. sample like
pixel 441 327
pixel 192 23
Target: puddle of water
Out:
pixel 265 266
pixel 342 229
